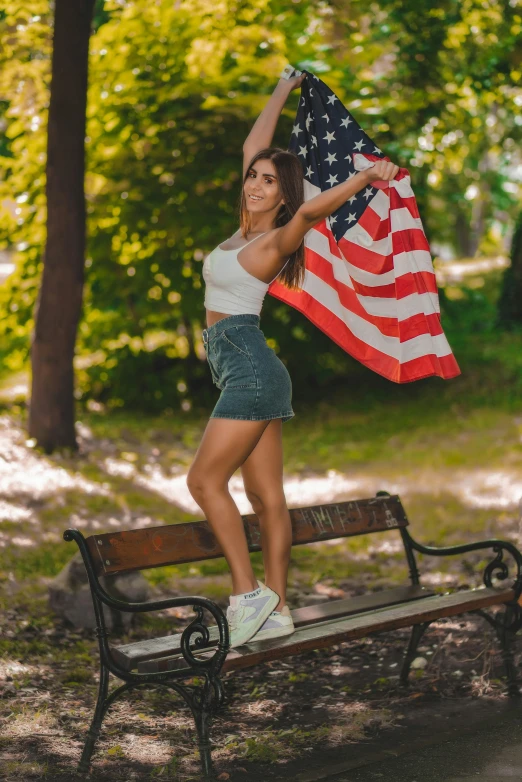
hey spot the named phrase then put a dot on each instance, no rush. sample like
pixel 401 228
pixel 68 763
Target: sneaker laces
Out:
pixel 234 616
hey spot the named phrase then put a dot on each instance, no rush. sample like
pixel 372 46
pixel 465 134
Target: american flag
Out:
pixel 369 279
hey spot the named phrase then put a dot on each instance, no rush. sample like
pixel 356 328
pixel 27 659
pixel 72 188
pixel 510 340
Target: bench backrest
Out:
pixel 173 544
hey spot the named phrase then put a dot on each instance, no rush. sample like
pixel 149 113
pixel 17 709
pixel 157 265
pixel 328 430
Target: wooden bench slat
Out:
pixel 323 634
pixel 137 549
pixel 129 655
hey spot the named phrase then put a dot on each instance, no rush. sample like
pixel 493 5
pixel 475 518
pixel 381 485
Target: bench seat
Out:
pixel 325 632
pixel 129 656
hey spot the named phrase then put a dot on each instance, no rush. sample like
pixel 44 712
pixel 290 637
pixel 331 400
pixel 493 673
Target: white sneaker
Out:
pixel 277 624
pixel 247 612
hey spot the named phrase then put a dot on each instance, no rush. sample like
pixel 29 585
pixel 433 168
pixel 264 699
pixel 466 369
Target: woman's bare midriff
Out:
pixel 213 317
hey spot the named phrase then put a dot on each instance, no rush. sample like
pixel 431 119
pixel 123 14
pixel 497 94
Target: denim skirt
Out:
pixel 255 384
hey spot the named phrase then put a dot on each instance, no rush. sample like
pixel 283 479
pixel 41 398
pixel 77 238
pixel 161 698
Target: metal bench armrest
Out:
pixel 496 567
pixel 195 634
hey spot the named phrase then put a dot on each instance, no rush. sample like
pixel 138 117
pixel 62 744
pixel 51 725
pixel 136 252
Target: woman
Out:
pixel 245 427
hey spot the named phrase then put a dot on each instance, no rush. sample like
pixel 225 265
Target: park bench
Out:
pixel 201 653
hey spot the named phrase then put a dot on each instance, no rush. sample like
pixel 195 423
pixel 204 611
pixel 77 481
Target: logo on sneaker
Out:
pixel 255 593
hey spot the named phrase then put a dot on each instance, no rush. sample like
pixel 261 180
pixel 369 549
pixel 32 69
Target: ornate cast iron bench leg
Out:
pixel 202 717
pixel 506 625
pixel 203 703
pixel 94 730
pixel 417 631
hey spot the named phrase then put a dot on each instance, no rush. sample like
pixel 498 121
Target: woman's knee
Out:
pixel 269 503
pixel 195 484
pixel 203 486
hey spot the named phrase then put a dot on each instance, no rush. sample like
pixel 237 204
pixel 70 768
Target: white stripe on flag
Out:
pixel 402 220
pixel 403 187
pixel 310 190
pixel 402 309
pixel 413 261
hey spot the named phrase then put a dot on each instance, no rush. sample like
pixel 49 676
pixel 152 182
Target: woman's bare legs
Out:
pixel 263 478
pixel 225 445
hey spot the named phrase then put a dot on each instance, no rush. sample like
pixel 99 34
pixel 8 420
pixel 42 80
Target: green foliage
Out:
pixel 174 89
pixel 298 677
pixel 169 771
pixel 116 751
pixel 270 746
pixel 46 559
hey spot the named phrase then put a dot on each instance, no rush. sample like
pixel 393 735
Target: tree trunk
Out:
pixel 463 233
pixel 58 309
pixel 481 205
pixel 510 301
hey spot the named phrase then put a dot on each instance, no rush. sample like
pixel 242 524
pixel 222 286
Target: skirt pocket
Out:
pixel 234 363
pixel 212 367
pixel 234 339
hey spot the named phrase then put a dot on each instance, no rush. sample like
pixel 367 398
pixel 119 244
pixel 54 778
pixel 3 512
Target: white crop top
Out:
pixel 229 288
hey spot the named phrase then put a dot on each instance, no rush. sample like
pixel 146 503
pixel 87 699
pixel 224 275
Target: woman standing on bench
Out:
pixel 245 427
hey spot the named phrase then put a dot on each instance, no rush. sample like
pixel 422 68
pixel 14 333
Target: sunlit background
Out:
pixel 174 88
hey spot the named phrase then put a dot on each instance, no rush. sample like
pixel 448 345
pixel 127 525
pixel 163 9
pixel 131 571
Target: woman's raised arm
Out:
pixel 264 127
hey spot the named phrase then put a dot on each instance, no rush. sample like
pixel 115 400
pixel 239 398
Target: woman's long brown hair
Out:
pixel 290 175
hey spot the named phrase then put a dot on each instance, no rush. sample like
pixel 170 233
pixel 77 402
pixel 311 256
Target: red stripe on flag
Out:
pixel 408 240
pixel 405 285
pixel 419 324
pixel 364 258
pixel 372 224
pixel 418 282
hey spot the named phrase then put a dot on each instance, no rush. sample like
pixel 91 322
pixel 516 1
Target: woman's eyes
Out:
pixel 269 181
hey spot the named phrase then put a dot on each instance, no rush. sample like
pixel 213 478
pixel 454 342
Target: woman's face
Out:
pixel 261 188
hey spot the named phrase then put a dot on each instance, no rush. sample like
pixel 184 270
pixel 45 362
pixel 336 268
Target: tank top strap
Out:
pixel 252 240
